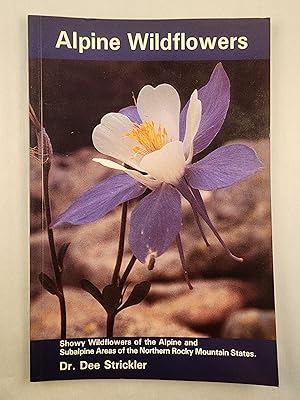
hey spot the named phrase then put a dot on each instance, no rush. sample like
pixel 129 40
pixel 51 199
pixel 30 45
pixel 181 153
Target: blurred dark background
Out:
pixel 76 94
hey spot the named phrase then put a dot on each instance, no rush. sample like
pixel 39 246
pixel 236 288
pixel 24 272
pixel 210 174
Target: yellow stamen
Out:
pixel 148 137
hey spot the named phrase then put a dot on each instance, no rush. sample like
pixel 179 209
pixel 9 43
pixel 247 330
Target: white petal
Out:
pixel 110 164
pixel 162 106
pixel 109 138
pixel 167 164
pixel 193 119
pixel 144 179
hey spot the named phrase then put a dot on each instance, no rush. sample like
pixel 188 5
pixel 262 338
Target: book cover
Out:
pixel 151 239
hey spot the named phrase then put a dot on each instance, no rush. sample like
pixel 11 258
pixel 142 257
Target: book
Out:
pixel 151 238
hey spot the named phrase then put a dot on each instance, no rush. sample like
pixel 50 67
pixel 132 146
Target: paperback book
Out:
pixel 150 214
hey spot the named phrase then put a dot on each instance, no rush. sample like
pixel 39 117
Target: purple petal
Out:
pixel 100 199
pixel 223 167
pixel 215 98
pixel 132 113
pixel 155 222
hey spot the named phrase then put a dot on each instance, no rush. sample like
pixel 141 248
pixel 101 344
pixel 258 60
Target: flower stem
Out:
pixel 110 325
pixel 116 281
pixel 110 321
pixel 54 259
pixel 63 314
pixel 121 244
pixel 127 271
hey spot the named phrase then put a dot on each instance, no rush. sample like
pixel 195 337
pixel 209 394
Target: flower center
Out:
pixel 149 138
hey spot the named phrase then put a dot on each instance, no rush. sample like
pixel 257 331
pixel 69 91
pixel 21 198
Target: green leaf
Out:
pixel 61 253
pixel 111 298
pixel 138 294
pixel 93 290
pixel 48 284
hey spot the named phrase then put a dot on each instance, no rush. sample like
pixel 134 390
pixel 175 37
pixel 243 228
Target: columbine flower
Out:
pixel 153 144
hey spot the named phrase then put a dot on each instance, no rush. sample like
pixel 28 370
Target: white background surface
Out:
pixel 14 270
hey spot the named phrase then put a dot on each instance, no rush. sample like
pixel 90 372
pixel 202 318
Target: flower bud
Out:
pixel 150 261
pixel 45 149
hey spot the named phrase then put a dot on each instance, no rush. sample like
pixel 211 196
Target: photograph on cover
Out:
pixel 150 204
pixel 231 297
